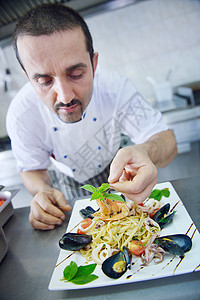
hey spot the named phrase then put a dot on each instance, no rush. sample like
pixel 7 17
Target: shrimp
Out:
pixel 111 210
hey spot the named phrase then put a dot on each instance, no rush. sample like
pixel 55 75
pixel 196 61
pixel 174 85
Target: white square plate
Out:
pixel 171 265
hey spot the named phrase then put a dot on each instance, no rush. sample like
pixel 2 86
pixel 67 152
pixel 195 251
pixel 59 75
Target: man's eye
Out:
pixel 45 82
pixel 76 75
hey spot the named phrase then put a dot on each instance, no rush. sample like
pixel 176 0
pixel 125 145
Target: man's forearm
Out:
pixel 36 181
pixel 161 148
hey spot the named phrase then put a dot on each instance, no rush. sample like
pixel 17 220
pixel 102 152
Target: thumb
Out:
pixel 118 164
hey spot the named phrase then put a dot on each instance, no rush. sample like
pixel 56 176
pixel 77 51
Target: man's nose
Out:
pixel 64 91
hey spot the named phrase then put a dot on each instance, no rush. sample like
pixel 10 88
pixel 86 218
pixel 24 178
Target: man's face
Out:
pixel 60 70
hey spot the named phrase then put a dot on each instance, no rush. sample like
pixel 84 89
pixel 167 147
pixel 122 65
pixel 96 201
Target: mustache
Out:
pixel 73 102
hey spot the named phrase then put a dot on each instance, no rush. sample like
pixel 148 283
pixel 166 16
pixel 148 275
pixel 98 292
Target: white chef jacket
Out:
pixel 82 149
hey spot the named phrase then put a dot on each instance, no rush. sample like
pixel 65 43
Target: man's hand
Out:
pixel 133 173
pixel 47 209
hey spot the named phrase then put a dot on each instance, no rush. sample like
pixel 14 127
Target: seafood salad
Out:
pixel 120 230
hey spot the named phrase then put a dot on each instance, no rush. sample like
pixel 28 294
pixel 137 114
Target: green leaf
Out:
pixel 158 197
pixel 84 280
pixel 85 270
pixel 104 187
pixel 96 195
pixel 89 188
pixel 114 197
pixel 79 275
pixel 70 271
pixel 165 193
pixel 155 193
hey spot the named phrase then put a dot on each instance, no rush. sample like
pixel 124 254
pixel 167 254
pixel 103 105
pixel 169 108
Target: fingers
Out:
pixel 58 199
pixel 142 195
pixel 144 177
pixel 36 224
pixel 138 176
pixel 118 164
pixel 46 210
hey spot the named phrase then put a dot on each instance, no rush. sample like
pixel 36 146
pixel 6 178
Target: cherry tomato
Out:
pixel 137 247
pixel 86 222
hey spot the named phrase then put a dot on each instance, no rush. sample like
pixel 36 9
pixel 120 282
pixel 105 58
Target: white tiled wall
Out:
pixel 148 38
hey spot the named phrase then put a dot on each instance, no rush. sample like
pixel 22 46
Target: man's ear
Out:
pixel 95 61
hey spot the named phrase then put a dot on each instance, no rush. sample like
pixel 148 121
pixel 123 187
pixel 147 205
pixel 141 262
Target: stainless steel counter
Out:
pixel 26 270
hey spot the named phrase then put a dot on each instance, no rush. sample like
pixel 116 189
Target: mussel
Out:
pixel 74 241
pixel 176 244
pixel 87 212
pixel 116 265
pixel 128 256
pixel 161 216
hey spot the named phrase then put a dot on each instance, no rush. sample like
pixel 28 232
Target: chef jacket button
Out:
pixel 55 128
pixel 73 170
pixel 99 147
pixel 65 156
pixel 99 166
pixel 94 119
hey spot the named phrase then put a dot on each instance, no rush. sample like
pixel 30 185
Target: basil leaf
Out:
pixel 158 197
pixel 165 193
pixel 89 188
pixel 104 187
pixel 84 279
pixel 154 193
pixel 114 197
pixel 85 270
pixel 70 271
pixel 96 195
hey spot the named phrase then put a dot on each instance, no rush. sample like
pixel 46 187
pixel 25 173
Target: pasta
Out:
pixel 110 236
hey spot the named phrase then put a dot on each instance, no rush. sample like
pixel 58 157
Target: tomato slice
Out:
pixel 86 222
pixel 80 232
pixel 137 247
pixel 1 202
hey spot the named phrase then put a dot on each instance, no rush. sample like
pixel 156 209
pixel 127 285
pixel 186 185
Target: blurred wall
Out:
pixel 146 39
pixel 150 38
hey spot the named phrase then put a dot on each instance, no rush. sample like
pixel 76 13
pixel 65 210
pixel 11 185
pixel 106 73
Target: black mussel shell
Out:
pixel 176 244
pixel 161 212
pixel 164 221
pixel 159 216
pixel 74 241
pixel 87 212
pixel 115 266
pixel 128 256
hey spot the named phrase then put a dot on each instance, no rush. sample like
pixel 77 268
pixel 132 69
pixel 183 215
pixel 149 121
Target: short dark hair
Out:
pixel 46 19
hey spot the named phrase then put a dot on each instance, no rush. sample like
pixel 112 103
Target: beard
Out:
pixel 70 117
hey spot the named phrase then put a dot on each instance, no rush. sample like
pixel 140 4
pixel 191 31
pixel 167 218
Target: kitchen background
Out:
pixel 152 42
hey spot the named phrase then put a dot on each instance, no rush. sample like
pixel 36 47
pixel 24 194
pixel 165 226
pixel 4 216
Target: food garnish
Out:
pixel 79 275
pixel 100 192
pixel 157 194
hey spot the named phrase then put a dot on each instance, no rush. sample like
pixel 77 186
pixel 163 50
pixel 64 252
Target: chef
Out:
pixel 71 114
